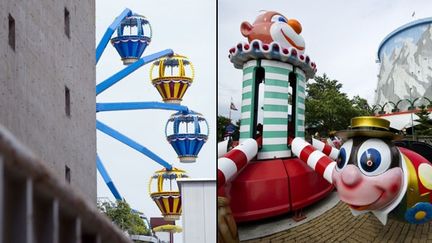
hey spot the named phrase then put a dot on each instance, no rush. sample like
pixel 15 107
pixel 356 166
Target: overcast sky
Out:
pixel 189 28
pixel 342 38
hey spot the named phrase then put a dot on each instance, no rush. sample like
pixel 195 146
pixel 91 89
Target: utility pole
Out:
pixel 412 120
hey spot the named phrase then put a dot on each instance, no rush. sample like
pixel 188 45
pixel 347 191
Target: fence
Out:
pixel 37 207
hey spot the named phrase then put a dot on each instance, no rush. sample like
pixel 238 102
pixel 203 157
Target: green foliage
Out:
pixel 222 122
pixel 328 108
pixel 425 126
pixel 121 215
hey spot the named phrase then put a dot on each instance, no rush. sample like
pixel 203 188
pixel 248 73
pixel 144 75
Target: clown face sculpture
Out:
pixel 271 27
pixel 371 174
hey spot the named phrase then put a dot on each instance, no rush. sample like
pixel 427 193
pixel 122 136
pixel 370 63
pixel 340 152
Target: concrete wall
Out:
pixel 198 210
pixel 33 80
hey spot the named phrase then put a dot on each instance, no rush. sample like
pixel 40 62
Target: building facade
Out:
pixel 405 58
pixel 47 84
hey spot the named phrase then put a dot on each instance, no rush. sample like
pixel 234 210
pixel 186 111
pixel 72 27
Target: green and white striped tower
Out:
pixel 277 108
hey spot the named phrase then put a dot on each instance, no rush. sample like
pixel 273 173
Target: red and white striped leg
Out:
pixel 328 150
pixel 235 160
pixel 315 159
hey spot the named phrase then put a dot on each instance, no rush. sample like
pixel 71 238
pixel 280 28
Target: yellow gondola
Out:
pixel 172 78
pixel 165 193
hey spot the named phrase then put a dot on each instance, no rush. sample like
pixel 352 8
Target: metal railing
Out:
pixel 37 207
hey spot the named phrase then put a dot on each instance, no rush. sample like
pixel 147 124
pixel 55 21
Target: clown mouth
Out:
pixel 363 207
pixel 291 42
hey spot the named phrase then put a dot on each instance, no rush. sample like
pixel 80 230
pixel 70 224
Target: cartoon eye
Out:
pixel 344 154
pixel 374 157
pixel 279 18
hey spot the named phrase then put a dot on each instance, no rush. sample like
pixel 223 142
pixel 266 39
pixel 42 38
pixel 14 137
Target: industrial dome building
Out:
pixel 405 72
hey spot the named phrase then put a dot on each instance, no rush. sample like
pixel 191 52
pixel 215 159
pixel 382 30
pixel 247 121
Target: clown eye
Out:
pixel 374 157
pixel 279 18
pixel 282 19
pixel 344 154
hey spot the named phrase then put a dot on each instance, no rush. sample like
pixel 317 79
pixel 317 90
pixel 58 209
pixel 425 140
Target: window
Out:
pixel 11 32
pixel 292 79
pixel 67 22
pixel 67 102
pixel 67 174
pixel 258 102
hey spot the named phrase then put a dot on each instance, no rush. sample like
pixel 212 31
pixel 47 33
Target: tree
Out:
pixel 223 122
pixel 362 106
pixel 425 126
pixel 121 215
pixel 328 108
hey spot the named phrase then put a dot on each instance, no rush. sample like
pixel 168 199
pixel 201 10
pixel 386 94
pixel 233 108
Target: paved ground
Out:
pixel 284 222
pixel 338 225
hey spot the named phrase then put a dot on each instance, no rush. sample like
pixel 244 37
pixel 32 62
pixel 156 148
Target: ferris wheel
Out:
pixel 171 74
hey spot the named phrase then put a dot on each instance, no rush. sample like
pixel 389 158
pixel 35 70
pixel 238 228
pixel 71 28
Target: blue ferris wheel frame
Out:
pixel 119 106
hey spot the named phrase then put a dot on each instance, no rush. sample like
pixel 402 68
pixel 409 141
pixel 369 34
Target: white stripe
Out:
pixel 246 102
pixel 334 153
pixel 274 154
pixel 272 101
pixel 301 106
pixel 249 147
pixel 276 64
pixel 300 128
pixel 299 71
pixel 313 158
pixel 222 148
pixel 245 115
pixel 328 172
pixel 244 128
pixel 318 144
pixel 276 76
pixel 228 168
pixel 300 117
pixel 250 63
pixel 301 84
pixel 275 114
pixel 297 145
pixel 271 88
pixel 247 89
pixel 247 76
pixel 268 141
pixel 300 94
pixel 271 127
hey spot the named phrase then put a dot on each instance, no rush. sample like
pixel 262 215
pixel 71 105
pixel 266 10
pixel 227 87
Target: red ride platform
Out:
pixel 268 188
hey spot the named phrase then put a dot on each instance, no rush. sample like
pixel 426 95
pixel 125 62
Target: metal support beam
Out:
pixel 109 32
pixel 130 69
pixel 107 179
pixel 131 143
pixel 121 106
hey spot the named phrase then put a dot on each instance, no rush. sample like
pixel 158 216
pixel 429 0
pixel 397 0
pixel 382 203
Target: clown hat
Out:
pixel 369 126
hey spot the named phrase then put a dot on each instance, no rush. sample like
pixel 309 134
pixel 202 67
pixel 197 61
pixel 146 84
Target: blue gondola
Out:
pixel 133 36
pixel 187 133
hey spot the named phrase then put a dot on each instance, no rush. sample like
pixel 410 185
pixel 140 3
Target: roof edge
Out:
pixel 400 29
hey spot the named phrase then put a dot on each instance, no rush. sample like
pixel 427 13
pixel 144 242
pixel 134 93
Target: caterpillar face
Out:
pixel 368 174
